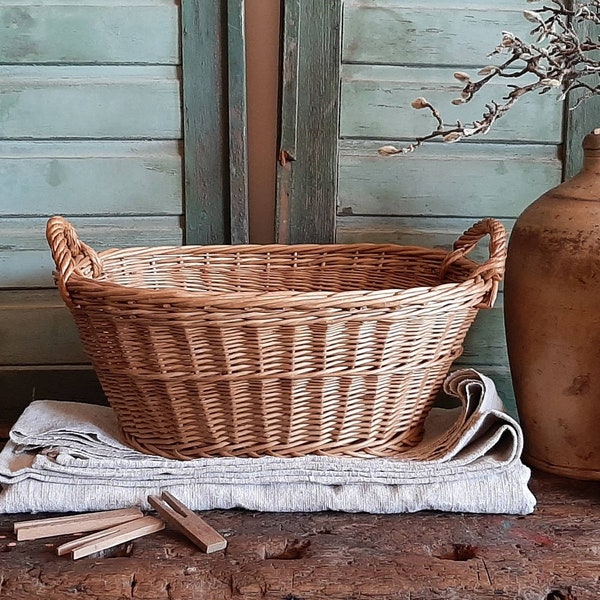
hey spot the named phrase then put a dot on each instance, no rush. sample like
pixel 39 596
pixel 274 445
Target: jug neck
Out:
pixel 591 152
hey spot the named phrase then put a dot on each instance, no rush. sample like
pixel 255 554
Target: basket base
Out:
pixel 392 448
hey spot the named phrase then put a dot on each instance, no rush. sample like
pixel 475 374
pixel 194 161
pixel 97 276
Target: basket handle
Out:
pixel 493 268
pixel 67 251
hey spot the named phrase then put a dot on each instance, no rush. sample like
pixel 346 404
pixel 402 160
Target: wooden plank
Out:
pixel 25 259
pixel 35 529
pixel 440 32
pixel 426 232
pixel 376 104
pixel 36 328
pixel 85 177
pixel 89 102
pixel 307 175
pixel 476 180
pixel 288 134
pixel 76 33
pixel 19 386
pixel 338 556
pixel 238 126
pixel 205 106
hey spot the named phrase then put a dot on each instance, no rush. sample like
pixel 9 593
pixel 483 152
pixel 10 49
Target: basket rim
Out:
pixel 174 296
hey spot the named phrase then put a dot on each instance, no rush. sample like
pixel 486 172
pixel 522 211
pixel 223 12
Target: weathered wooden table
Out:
pixel 553 554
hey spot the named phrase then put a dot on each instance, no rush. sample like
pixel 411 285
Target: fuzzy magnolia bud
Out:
pixel 531 16
pixel 462 76
pixel 451 137
pixel 419 103
pixel 508 39
pixel 488 70
pixel 550 82
pixel 388 150
pixel 458 101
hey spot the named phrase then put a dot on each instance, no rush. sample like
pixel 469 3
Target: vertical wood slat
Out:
pixel 238 146
pixel 214 121
pixel 307 173
pixel 205 122
pixel 289 117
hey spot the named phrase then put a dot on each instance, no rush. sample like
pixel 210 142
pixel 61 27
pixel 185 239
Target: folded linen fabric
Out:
pixel 66 456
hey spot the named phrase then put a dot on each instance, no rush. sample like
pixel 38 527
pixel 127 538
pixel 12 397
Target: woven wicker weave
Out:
pixel 281 350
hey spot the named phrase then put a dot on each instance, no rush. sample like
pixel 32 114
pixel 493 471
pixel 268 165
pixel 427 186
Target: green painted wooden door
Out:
pixel 109 116
pixel 390 52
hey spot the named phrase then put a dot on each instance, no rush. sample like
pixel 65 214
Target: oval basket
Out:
pixel 283 350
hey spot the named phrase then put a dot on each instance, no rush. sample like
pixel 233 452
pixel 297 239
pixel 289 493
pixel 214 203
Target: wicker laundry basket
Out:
pixel 282 350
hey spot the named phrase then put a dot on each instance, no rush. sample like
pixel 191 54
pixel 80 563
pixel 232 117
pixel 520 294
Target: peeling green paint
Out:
pixel 7 103
pixel 56 173
pixel 81 34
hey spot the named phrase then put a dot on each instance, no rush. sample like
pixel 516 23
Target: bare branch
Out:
pixel 562 57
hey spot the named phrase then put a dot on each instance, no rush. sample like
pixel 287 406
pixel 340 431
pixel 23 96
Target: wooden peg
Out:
pixel 101 540
pixel 189 523
pixel 42 528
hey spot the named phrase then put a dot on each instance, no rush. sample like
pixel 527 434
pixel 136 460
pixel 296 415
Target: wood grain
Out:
pixel 551 554
pixel 376 103
pixel 25 259
pixel 100 32
pixel 238 122
pixel 90 102
pixel 90 177
pixel 461 180
pixel 307 181
pixel 205 108
pixel 442 32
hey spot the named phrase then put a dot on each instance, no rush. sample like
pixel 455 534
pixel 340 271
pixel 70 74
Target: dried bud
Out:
pixel 508 39
pixel 451 137
pixel 388 150
pixel 531 16
pixel 458 101
pixel 419 103
pixel 488 70
pixel 462 76
pixel 550 82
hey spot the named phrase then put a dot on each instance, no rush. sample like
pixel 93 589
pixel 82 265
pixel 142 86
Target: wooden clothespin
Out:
pixel 190 524
pixel 101 540
pixel 42 528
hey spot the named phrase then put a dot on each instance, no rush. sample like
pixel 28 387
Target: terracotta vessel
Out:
pixel 552 314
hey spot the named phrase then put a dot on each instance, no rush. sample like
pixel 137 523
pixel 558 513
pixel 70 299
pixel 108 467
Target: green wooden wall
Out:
pixel 391 52
pixel 129 118
pixel 90 127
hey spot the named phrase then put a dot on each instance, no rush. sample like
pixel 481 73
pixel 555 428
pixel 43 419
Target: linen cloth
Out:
pixel 67 456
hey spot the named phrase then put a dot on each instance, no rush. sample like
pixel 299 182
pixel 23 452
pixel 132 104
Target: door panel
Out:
pixel 109 117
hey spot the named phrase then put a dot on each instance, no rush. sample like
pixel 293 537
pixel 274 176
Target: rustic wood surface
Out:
pixel 553 554
pixel 307 171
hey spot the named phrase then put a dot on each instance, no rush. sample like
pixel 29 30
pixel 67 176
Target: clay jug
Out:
pixel 552 315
